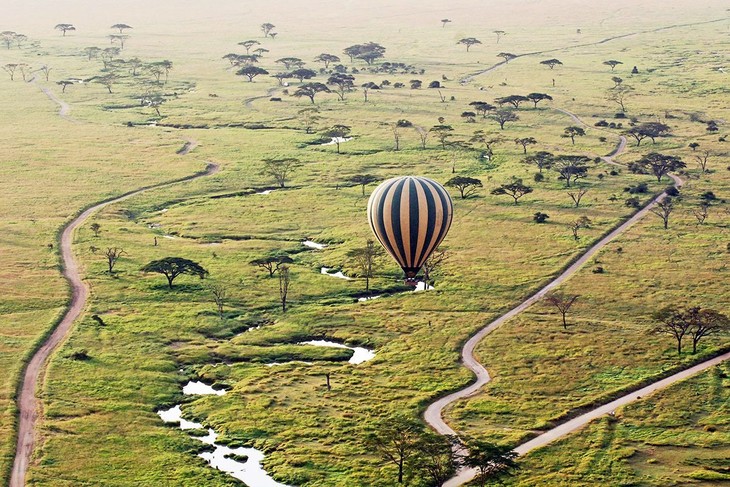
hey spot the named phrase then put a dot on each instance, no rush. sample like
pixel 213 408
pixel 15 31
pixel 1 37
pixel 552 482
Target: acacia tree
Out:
pixel 612 63
pixel 543 160
pixel 291 62
pixel 219 293
pixel 576 225
pixel 284 283
pixel 444 22
pixel 499 33
pixel 468 42
pixel 396 128
pixel 563 303
pixel 466 186
pixel 10 68
pixel 502 116
pixel 673 322
pixel 433 264
pixel 302 73
pixel 619 95
pixel 326 59
pixel 538 97
pixel 364 258
pixel 343 83
pixel 108 54
pixel 663 209
pixel 120 38
pixel 279 169
pixel 524 142
pixel 112 255
pixel 172 267
pixel 514 188
pixel 397 440
pixel 513 100
pixel 370 51
pixel 571 168
pixel 65 28
pixel 309 117
pixel 422 134
pixel 310 90
pixel 8 37
pixel 702 160
pixel 705 322
pixel 616 81
pixel 64 84
pixel 551 63
pixel 46 70
pixel 249 44
pixel 251 72
pixel 266 28
pixel 577 194
pixel 108 81
pixel 366 87
pixel 92 52
pixel 121 27
pixel 363 180
pixel 507 56
pixel 660 164
pixel 482 107
pixel 442 132
pixel 435 457
pixel 272 262
pixel 338 133
pixel 572 132
pixel 490 460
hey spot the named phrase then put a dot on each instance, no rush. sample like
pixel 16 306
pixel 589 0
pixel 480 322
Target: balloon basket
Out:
pixel 413 282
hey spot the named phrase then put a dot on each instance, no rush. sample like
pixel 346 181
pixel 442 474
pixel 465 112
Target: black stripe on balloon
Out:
pixel 440 203
pixel 446 205
pixel 395 223
pixel 414 220
pixel 378 219
pixel 430 220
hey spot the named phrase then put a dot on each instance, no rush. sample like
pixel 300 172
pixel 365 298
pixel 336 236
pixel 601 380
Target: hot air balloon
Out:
pixel 410 216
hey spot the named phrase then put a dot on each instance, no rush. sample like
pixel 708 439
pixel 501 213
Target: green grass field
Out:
pixel 100 425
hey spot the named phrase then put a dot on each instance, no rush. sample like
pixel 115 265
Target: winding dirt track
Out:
pixel 29 406
pixel 434 412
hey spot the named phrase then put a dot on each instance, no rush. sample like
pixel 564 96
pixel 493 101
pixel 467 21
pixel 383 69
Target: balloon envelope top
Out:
pixel 410 216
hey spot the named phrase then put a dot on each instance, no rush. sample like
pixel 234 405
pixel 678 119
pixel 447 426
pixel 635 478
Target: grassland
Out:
pixel 101 426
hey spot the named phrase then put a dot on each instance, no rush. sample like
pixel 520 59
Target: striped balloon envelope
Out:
pixel 410 216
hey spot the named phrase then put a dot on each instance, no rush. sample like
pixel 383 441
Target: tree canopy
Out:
pixel 172 267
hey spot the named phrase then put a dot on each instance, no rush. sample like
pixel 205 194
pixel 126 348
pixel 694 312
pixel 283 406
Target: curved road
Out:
pixel 434 413
pixel 28 404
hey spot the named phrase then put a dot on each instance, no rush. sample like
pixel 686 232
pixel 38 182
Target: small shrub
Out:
pixel 601 123
pixel 708 196
pixel 620 115
pixel 641 188
pixel 602 139
pixel 541 217
pixel 80 355
pixel 598 270
pixel 434 84
pixel 613 172
pixel 539 177
pixel 672 191
pixel 632 202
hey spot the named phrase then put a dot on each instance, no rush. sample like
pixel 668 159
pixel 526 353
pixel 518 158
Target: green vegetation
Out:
pixel 103 387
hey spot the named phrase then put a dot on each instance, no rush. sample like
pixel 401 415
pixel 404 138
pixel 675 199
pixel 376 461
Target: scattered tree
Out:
pixel 95 227
pixel 499 33
pixel 502 116
pixel 514 188
pixel 551 63
pixel 701 213
pixel 172 267
pixel 571 168
pixel 482 107
pixel 659 164
pixel 279 169
pixel 366 87
pixel 663 209
pixel 507 56
pixel 435 457
pixel 674 322
pixel 543 160
pixel 120 38
pixel 310 90
pixel 572 132
pixel 219 292
pixel 46 70
pixel 284 283
pixel 343 83
pixel 705 322
pixel 442 132
pixel 108 54
pixel 422 134
pixel 397 440
pixel 468 42
pixel 444 22
pixel 251 72
pixel 309 117
pixel 364 258
pixel 121 27
pixel 64 84
pixel 540 217
pixel 396 128
pixel 326 59
pixel 65 28
pixel 291 62
pixel 266 28
pixel 612 63
pixel 302 73
pixel 92 52
pixel 363 180
pixel 563 303
pixel 490 460
pixel 577 194
pixel 112 255
pixel 702 160
pixel 338 133
pixel 433 264
pixel 578 224
pixel 538 97
pixel 107 81
pixel 249 44
pixel 272 262
pixel 513 100
pixel 466 186
pixel 617 81
pixel 619 95
pixel 10 68
pixel 524 142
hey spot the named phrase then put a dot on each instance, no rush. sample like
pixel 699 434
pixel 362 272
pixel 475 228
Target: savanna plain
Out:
pixel 590 96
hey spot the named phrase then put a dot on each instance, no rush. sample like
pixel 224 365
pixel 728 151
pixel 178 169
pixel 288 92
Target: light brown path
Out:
pixel 434 413
pixel 29 406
